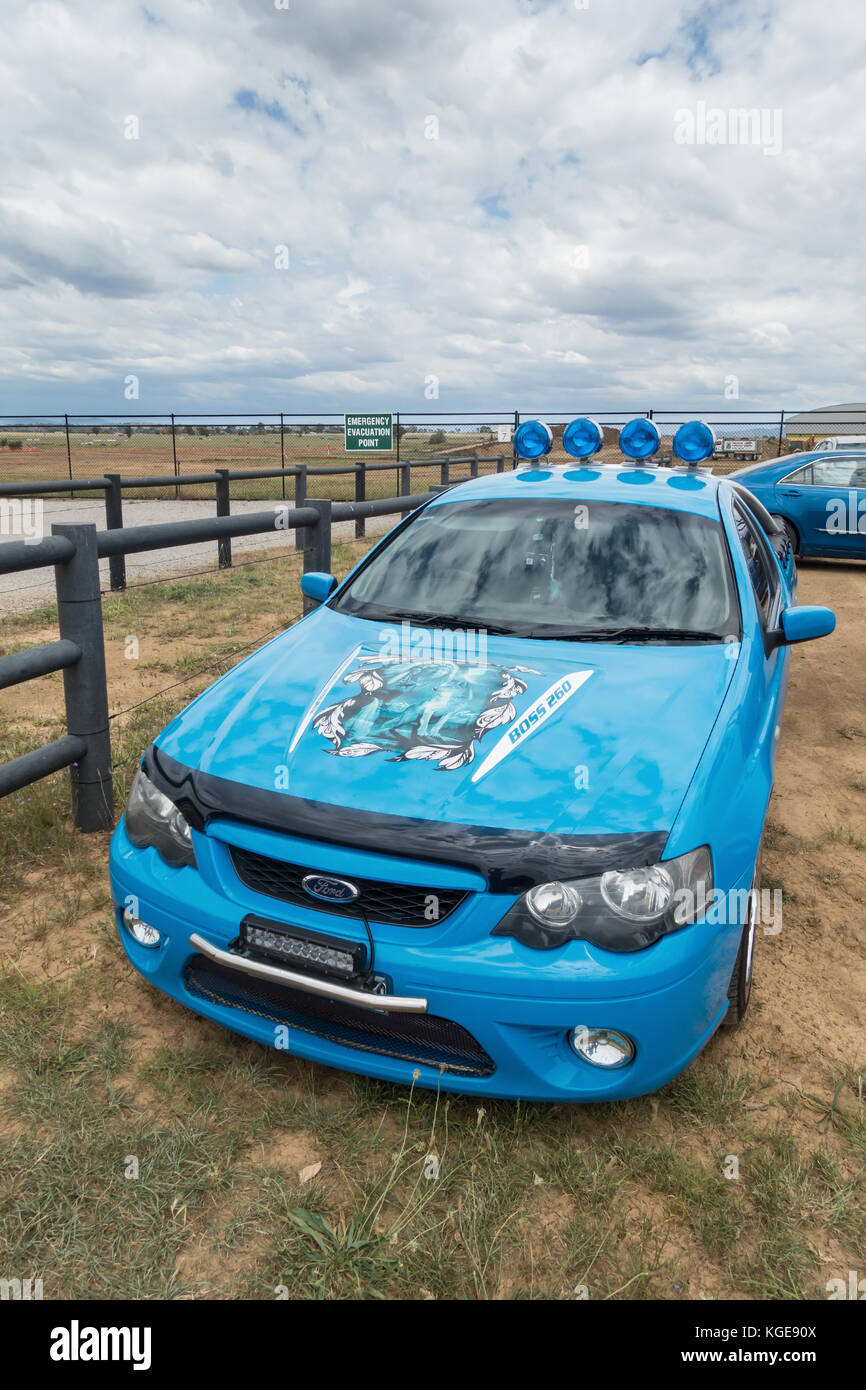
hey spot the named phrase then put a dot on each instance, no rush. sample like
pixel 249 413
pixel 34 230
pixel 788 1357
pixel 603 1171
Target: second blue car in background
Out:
pixel 819 498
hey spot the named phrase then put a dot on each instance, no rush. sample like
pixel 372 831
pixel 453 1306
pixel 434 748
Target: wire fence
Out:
pixel 77 447
pixel 81 447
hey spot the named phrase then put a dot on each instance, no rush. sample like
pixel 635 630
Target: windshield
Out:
pixel 615 570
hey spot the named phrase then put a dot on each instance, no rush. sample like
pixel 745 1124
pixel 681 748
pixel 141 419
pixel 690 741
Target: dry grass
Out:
pixel 626 1201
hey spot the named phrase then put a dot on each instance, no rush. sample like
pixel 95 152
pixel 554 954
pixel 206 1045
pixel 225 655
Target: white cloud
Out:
pixel 553 247
pixel 203 252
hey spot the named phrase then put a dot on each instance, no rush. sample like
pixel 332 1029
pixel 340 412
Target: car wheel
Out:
pixel 790 532
pixel 740 988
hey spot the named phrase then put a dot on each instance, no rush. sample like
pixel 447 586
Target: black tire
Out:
pixel 740 988
pixel 790 531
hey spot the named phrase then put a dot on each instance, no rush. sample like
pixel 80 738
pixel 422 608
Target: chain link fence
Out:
pixel 176 446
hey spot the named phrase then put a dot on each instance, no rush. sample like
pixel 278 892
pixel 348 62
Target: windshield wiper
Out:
pixel 660 634
pixel 549 633
pixel 445 621
pixel 622 634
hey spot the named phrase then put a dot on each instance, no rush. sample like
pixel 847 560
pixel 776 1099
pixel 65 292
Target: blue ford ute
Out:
pixel 819 498
pixel 489 817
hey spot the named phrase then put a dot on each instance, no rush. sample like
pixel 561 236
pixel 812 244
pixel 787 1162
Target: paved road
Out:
pixel 20 593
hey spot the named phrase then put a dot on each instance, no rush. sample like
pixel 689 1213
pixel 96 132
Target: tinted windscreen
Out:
pixel 549 568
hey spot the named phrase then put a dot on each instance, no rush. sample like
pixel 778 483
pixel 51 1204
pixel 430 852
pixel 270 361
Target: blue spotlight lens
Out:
pixel 694 441
pixel 639 438
pixel 582 438
pixel 532 439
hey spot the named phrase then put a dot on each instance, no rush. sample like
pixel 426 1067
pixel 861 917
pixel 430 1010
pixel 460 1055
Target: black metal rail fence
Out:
pixel 74 551
pixel 265 446
pixel 259 451
pixel 346 480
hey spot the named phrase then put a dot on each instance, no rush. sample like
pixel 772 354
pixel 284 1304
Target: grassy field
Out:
pixel 148 1154
pixel 33 455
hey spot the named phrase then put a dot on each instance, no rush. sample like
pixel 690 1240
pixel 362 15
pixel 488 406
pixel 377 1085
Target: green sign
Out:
pixel 369 434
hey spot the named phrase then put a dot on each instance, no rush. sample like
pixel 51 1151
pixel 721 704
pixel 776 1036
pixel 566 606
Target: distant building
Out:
pixel 825 422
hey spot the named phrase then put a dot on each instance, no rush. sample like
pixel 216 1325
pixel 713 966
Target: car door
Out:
pixel 823 500
pixel 856 538
pixel 768 588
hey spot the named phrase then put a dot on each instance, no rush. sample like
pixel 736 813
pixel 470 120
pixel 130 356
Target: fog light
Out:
pixel 145 935
pixel 693 441
pixel 532 440
pixel 582 438
pixel 602 1047
pixel 639 438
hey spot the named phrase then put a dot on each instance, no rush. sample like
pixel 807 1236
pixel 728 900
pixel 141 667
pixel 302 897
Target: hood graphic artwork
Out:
pixel 436 711
pixel 491 741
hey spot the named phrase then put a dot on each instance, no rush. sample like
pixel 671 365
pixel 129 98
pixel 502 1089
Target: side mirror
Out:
pixel 802 624
pixel 317 586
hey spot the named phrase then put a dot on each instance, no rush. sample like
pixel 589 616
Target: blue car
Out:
pixel 488 818
pixel 819 498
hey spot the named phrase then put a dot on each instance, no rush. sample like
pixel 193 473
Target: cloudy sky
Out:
pixel 329 204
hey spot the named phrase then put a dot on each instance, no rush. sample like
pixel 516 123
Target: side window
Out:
pixel 855 468
pixel 762 573
pixel 836 472
pixel 802 475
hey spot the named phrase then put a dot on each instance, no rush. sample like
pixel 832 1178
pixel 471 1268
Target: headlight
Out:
pixel 641 895
pixel 554 904
pixel 620 911
pixel 153 819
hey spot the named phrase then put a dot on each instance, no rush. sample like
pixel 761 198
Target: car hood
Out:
pixel 564 737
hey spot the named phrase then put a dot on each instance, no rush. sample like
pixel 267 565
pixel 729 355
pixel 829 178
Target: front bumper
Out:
pixel 518 1004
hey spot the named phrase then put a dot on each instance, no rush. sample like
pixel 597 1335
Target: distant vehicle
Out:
pixel 820 500
pixel 744 449
pixel 842 441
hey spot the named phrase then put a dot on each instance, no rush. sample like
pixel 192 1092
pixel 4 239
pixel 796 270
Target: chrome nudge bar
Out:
pixel 381 1003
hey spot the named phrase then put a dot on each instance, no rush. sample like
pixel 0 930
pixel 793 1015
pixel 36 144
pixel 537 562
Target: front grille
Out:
pixel 396 904
pixel 434 1042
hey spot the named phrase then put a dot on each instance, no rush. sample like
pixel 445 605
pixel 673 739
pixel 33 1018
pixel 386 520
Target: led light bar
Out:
pixel 582 438
pixel 639 438
pixel 312 950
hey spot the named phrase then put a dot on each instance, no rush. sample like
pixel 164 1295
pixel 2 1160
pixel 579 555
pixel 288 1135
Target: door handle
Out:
pixel 789 492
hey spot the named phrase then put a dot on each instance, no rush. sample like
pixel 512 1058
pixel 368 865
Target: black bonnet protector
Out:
pixel 510 860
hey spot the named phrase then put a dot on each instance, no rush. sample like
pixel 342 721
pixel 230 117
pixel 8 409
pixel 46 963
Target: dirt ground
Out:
pixel 538 1201
pixel 811 978
pixel 808 1007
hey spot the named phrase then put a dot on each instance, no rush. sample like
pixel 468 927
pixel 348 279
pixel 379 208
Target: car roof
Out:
pixel 789 463
pixel 677 489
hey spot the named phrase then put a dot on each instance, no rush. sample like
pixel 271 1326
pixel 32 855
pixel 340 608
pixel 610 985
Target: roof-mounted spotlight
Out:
pixel 639 438
pixel 582 438
pixel 694 441
pixel 532 439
